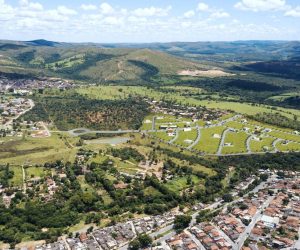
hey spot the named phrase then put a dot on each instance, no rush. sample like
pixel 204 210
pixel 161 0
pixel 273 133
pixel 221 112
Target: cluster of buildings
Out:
pixel 12 108
pixel 279 225
pixel 210 237
pixel 182 241
pixel 193 113
pixel 25 86
pixel 231 226
pixel 112 237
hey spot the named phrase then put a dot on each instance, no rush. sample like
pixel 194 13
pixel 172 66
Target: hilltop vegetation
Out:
pixel 72 111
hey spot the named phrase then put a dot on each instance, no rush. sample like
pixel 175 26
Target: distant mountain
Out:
pixel 42 42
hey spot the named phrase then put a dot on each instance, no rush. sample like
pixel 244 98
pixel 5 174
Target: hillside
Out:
pixel 82 62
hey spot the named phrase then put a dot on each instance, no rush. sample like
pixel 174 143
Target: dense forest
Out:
pixel 74 111
pixel 277 120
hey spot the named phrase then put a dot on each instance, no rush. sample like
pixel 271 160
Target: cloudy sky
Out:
pixel 149 20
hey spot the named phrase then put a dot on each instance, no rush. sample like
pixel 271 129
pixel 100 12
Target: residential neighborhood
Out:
pixel 268 217
pixel 26 85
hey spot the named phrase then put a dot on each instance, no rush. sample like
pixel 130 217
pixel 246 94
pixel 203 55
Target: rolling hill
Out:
pixel 88 63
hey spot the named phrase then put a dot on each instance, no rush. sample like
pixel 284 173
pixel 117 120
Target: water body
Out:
pixel 111 141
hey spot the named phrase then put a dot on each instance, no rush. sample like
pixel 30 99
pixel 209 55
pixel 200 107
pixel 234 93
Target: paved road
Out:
pixel 219 152
pixel 175 137
pixel 159 232
pixel 248 144
pixel 243 236
pixel 198 243
pixel 275 143
pixel 168 230
pixel 24 180
pixel 197 139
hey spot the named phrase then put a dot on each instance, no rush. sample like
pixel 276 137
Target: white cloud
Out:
pixel 219 14
pixel 26 20
pixel 88 7
pixel 151 11
pixel 106 9
pixel 202 7
pixel 189 14
pixel 66 11
pixel 30 5
pixel 111 20
pixel 261 5
pixel 293 12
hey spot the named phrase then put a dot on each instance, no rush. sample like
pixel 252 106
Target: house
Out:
pixel 269 221
pixel 217 136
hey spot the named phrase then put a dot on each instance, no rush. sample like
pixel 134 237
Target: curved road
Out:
pixel 219 152
pixel 197 139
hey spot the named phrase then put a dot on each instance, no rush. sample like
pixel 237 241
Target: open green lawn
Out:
pixel 35 172
pixel 162 135
pixel 259 146
pixel 180 183
pixel 146 126
pixel 36 150
pixel 203 169
pixel 186 135
pixel 238 141
pixel 208 143
pixel 17 179
pixel 151 191
pixel 291 146
pixel 235 125
pixel 264 125
pixel 84 185
pixel 285 136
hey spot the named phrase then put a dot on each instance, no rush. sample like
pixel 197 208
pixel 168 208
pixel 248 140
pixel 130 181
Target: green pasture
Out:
pixel 208 143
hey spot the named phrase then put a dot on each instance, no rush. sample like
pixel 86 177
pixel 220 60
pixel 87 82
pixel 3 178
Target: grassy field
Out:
pixel 84 185
pixel 259 146
pixel 238 141
pixel 285 136
pixel 291 146
pixel 17 179
pixel 36 150
pixel 208 143
pixel 180 183
pixel 116 92
pixel 36 172
pixel 122 166
pixel 188 135
pixel 162 135
pixel 235 125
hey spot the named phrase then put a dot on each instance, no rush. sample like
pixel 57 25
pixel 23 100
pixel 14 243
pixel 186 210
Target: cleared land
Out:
pixel 290 146
pixel 210 139
pixel 265 144
pixel 186 138
pixel 36 150
pixel 237 141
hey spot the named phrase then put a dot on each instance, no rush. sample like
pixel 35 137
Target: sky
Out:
pixel 143 21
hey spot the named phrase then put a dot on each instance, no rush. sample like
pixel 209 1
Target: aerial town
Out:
pixel 267 216
pixel 26 85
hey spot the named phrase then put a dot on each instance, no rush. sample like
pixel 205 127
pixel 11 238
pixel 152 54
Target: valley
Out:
pixel 117 144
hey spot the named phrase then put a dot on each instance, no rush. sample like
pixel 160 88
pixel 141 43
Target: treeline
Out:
pixel 277 119
pixel 127 153
pixel 5 175
pixel 249 164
